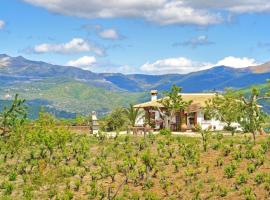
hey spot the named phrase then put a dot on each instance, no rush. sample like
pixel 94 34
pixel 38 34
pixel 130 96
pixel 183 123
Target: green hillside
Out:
pixel 66 97
pixel 73 96
pixel 35 106
pixel 262 88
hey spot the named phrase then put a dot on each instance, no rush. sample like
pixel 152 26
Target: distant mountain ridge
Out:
pixel 73 90
pixel 66 96
pixel 264 68
pixel 20 69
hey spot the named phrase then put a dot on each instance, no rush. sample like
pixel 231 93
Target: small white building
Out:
pixel 192 116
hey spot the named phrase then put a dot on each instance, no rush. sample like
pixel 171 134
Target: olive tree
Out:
pixel 233 106
pixel 172 102
pixel 114 121
pixel 253 116
pixel 226 108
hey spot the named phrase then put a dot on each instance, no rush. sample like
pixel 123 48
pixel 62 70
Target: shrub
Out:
pixel 219 162
pixel 251 168
pixel 116 120
pixel 68 195
pixel 232 129
pixel 150 196
pixel 52 193
pixel 77 185
pixel 264 147
pixel 230 170
pixel 190 154
pixel 165 132
pixel 222 191
pixel 176 164
pixel 134 196
pixel 196 196
pixel 226 151
pixel 13 116
pixel 216 146
pixel 219 136
pixel 249 153
pixel 266 184
pixel 206 135
pixel 165 183
pixel 241 179
pixel 259 178
pixel 28 192
pixel 93 192
pixel 12 176
pixel 259 159
pixel 249 194
pixel 8 188
pixel 237 155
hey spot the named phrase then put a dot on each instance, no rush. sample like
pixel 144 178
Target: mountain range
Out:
pixel 73 90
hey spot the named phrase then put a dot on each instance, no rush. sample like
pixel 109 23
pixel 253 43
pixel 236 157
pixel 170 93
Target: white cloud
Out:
pixel 251 8
pixel 237 62
pixel 176 12
pixel 179 65
pixel 200 12
pixel 105 33
pixel 109 34
pixel 2 24
pixel 76 45
pixel 160 11
pixel 85 62
pixel 4 61
pixel 235 6
pixel 184 65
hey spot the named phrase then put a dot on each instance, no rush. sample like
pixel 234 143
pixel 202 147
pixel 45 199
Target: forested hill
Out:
pixel 67 91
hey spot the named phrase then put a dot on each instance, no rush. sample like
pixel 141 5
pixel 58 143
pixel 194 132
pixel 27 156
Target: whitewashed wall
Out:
pixel 140 119
pixel 219 126
pixel 205 124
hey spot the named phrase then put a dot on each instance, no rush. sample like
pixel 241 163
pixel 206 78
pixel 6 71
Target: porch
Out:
pixel 182 120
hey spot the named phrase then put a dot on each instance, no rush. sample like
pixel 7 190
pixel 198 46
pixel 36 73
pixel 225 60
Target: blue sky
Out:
pixel 137 36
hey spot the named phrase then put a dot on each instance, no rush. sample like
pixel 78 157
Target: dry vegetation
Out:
pixel 49 162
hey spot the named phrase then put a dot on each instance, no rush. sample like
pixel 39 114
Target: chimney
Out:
pixel 154 94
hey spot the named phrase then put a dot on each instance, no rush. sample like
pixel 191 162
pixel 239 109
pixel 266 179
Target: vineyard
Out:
pixel 46 161
pixel 135 100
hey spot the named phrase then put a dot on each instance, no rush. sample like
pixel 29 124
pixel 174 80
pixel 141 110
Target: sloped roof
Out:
pixel 197 99
pixel 149 104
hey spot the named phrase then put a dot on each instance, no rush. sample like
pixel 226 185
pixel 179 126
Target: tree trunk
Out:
pixel 167 122
pixel 254 137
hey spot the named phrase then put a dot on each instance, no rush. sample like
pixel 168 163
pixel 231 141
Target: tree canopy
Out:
pixel 172 102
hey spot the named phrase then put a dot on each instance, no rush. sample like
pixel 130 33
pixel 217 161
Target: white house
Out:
pixel 192 116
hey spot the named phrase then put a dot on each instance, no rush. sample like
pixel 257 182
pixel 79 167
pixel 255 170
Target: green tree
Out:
pixel 172 102
pixel 149 160
pixel 206 136
pixel 253 116
pixel 226 108
pixel 115 121
pixel 132 114
pixel 13 116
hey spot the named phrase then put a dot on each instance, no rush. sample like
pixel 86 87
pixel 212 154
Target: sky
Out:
pixel 137 36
